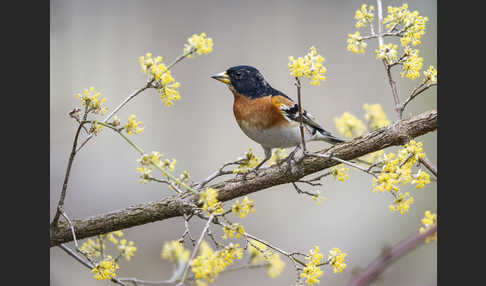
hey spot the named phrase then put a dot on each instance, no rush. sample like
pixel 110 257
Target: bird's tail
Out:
pixel 325 136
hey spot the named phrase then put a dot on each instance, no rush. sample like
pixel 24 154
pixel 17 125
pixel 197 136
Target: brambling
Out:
pixel 266 115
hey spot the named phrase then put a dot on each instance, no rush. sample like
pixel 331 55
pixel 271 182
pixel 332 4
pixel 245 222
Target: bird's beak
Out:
pixel 222 77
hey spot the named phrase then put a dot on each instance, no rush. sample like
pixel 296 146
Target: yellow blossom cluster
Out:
pixel 311 271
pixel 412 64
pixel 402 203
pixel 91 99
pixel 318 198
pixel 244 208
pixel 259 253
pixel 428 221
pixel 127 250
pixel 158 72
pixel 397 169
pixel 356 44
pixel 111 236
pixel 198 44
pixel 234 230
pixel 336 259
pixel 132 126
pixel 374 157
pixel 375 116
pixel 430 75
pixel 209 263
pixel 413 24
pixel 107 266
pixel 96 128
pixel 421 179
pixel 146 165
pixel 309 66
pixel 174 251
pixel 340 172
pixel 349 125
pixel 278 155
pixel 388 52
pixel 364 15
pixel 92 248
pixel 106 269
pixel 210 202
pixel 247 163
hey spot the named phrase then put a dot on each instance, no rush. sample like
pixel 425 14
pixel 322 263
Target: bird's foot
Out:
pixel 291 158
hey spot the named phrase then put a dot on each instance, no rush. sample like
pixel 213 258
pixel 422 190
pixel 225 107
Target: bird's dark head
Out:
pixel 245 80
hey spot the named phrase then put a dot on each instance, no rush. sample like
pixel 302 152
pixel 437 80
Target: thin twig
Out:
pixel 195 250
pixel 301 118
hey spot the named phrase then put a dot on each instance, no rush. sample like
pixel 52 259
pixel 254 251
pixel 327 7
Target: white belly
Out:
pixel 277 137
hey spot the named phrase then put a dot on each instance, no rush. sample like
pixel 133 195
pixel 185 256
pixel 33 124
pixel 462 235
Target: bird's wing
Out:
pixel 290 110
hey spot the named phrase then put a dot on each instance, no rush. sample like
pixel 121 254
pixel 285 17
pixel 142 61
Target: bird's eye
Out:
pixel 238 75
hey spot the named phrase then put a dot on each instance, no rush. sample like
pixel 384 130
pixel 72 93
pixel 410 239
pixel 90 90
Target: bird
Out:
pixel 268 116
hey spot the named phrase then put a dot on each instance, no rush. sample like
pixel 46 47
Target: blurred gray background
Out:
pixel 97 43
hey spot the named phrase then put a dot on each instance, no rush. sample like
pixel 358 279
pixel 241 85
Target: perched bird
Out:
pixel 266 115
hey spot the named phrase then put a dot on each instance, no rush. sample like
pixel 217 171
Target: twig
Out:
pixel 301 118
pixel 383 261
pixel 60 204
pixel 429 165
pixel 90 265
pixel 194 251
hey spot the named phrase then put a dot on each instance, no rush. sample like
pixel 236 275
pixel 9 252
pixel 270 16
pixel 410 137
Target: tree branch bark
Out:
pixel 398 133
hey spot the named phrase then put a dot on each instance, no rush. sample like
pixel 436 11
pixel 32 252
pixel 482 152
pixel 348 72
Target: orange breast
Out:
pixel 257 113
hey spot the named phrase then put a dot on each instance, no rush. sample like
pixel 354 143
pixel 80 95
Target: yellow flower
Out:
pixel 247 206
pixel 350 126
pixel 259 254
pixel 198 44
pixel 375 156
pixel 340 172
pixel 96 128
pixel 336 260
pixel 412 64
pixel 428 221
pixel 388 52
pixel 375 116
pixel 411 22
pixel 106 269
pixel 91 99
pixel 230 230
pixel 319 198
pixel 111 236
pixel 164 81
pixel 248 162
pixel 169 165
pixel 210 202
pixel 364 15
pixel 278 155
pixel 174 251
pixel 311 271
pixel 208 264
pixel 356 43
pixel 430 75
pixel 132 126
pixel 92 248
pixel 309 66
pixel 402 203
pixel 127 250
pixel 275 265
pixel 168 92
pixel 421 179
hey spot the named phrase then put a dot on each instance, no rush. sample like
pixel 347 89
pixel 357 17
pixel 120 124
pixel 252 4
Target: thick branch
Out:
pixel 398 133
